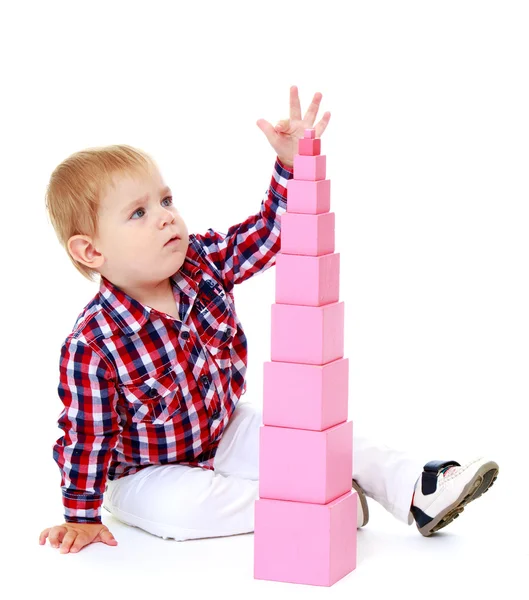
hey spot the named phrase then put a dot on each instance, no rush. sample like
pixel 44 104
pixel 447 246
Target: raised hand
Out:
pixel 285 135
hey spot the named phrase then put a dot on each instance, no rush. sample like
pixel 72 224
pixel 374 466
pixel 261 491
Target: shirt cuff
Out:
pixel 285 167
pixel 82 508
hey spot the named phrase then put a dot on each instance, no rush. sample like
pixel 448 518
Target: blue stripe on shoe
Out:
pixel 421 518
pixel 431 472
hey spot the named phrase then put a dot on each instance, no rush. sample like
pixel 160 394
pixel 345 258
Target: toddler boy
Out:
pixel 152 375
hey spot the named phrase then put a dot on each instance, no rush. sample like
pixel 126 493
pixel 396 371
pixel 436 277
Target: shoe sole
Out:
pixel 362 497
pixel 478 485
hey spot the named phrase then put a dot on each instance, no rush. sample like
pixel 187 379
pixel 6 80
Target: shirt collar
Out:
pixel 130 314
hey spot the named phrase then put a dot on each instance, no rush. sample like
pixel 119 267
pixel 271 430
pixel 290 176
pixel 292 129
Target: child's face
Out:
pixel 136 219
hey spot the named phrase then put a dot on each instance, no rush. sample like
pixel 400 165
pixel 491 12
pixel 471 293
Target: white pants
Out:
pixel 182 502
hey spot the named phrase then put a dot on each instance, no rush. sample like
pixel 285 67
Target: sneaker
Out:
pixel 363 512
pixel 444 489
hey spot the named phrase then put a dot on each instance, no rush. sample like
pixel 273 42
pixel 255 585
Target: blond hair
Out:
pixel 77 184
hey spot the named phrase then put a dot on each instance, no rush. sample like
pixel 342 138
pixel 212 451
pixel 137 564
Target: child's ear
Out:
pixel 82 249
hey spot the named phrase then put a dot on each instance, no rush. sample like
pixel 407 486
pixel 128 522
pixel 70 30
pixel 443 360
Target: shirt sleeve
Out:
pixel 91 429
pixel 251 246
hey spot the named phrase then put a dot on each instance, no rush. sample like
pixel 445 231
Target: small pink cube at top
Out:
pixel 310 134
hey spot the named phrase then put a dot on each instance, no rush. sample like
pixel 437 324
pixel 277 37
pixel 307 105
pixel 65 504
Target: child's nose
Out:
pixel 167 216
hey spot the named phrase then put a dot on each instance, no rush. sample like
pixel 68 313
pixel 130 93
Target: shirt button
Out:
pixel 153 393
pixel 185 335
pixel 205 380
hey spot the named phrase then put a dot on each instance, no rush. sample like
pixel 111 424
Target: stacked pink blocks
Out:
pixel 305 517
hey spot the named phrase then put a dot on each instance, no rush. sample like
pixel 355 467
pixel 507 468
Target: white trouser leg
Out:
pixel 182 502
pixel 386 475
pixel 238 451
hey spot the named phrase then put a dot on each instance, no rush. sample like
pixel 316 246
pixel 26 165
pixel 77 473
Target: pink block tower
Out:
pixel 305 517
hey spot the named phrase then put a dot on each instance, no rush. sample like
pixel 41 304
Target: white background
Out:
pixel 427 150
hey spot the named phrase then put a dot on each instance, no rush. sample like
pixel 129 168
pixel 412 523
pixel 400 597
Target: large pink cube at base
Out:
pixel 296 542
pixel 305 466
pixel 312 335
pixel 308 197
pixel 305 396
pixel 310 235
pixel 307 280
pixel 310 168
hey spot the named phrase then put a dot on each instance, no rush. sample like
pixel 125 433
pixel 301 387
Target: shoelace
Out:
pixel 446 470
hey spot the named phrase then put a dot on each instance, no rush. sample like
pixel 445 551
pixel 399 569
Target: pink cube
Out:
pixel 300 396
pixel 312 335
pixel 311 235
pixel 305 466
pixel 310 167
pixel 313 544
pixel 309 147
pixel 308 197
pixel 307 280
pixel 309 133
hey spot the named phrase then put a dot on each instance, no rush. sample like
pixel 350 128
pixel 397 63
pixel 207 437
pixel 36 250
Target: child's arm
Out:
pixel 91 428
pixel 251 246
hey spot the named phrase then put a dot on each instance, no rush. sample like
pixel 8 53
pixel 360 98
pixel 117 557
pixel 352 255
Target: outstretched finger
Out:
pixel 295 107
pixel 321 125
pixel 312 110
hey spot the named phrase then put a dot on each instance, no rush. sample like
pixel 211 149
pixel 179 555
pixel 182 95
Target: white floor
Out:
pixel 482 554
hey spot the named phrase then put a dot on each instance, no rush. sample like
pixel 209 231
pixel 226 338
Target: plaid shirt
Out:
pixel 141 388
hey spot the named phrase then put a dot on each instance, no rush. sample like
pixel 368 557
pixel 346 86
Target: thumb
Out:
pixel 283 125
pixel 108 538
pixel 267 129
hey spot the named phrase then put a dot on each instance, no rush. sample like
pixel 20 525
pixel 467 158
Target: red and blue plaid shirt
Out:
pixel 141 388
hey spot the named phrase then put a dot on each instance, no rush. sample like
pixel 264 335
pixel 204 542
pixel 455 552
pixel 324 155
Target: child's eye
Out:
pixel 170 198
